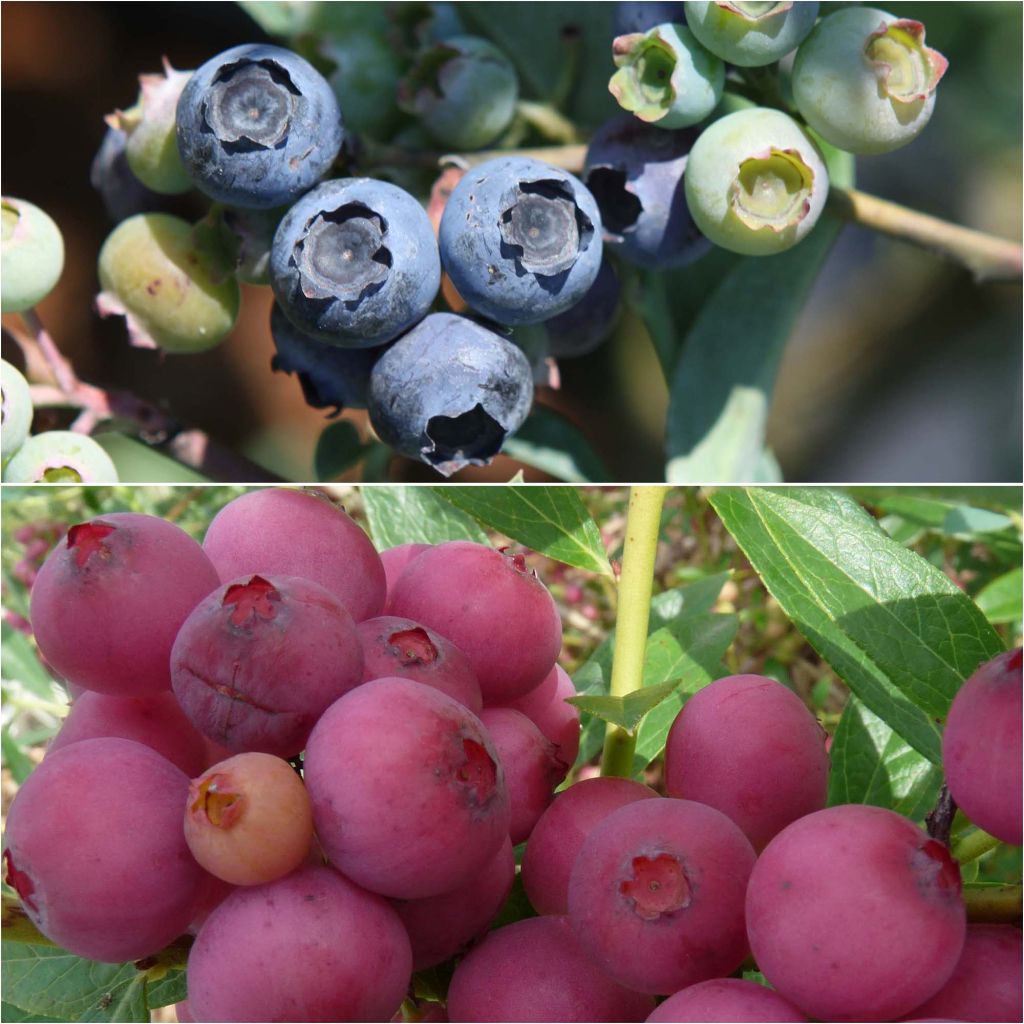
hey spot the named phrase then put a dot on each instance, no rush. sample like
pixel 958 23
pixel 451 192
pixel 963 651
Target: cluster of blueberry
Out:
pixel 368 736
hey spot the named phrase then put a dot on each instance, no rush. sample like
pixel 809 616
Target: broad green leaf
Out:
pixel 551 520
pixel 415 515
pixel 48 981
pixel 551 443
pixel 11 1013
pixel 1003 499
pixel 18 660
pixel 337 449
pixel 871 764
pixel 626 711
pixel 138 463
pixel 947 517
pixel 1000 600
pixel 895 628
pixel 722 382
pixel 169 989
pixel 16 761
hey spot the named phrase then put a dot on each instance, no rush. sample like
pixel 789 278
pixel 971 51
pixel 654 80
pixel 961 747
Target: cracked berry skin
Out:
pixel 111 597
pixel 257 126
pixel 355 262
pixel 260 659
pixel 837 886
pixel 636 173
pixel 95 849
pixel 331 377
pixel 656 894
pixel 449 393
pixel 409 797
pixel 521 240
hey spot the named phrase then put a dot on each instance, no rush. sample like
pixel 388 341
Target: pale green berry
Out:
pixel 16 410
pixel 60 457
pixel 755 182
pixel 173 294
pixel 31 255
pixel 865 81
pixel 665 76
pixel 151 147
pixel 750 33
pixel 365 77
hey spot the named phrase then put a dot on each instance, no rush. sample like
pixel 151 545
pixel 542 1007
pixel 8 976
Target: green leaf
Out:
pixel 551 443
pixel 415 515
pixel 16 760
pixel 871 764
pixel 139 463
pixel 18 660
pixel 551 520
pixel 895 628
pixel 171 988
pixel 337 449
pixel 12 1013
pixel 722 382
pixel 50 982
pixel 626 711
pixel 1000 600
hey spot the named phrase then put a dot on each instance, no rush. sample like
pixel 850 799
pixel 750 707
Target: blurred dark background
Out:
pixel 901 369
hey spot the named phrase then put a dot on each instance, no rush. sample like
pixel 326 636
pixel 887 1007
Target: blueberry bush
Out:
pixel 517 753
pixel 457 206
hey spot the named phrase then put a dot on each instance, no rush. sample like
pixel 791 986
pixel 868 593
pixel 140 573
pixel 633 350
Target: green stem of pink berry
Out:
pixel 972 845
pixel 643 525
pixel 994 904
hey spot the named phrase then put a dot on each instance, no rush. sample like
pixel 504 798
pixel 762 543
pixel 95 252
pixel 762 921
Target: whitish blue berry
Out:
pixel 755 182
pixel 58 457
pixel 666 77
pixel 15 411
pixel 31 255
pixel 750 33
pixel 865 81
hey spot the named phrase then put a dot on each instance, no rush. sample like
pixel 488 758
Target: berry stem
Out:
pixel 993 904
pixel 643 525
pixel 972 845
pixel 989 258
pixel 548 121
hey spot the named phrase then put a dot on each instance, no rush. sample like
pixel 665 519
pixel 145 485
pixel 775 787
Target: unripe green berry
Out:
pixel 865 81
pixel 151 148
pixel 58 457
pixel 172 292
pixel 748 33
pixel 15 411
pixel 666 77
pixel 755 182
pixel 365 77
pixel 31 255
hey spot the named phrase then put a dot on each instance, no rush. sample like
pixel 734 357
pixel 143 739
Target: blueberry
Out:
pixel 257 126
pixel 449 392
pixel 122 193
pixel 665 76
pixel 57 457
pixel 520 240
pixel 355 262
pixel 31 254
pixel 588 324
pixel 750 34
pixel 463 90
pixel 330 376
pixel 15 410
pixel 364 79
pixel 636 172
pixel 639 17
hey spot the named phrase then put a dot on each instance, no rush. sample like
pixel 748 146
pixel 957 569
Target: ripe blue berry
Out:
pixel 750 34
pixel 330 376
pixel 15 410
pixel 665 76
pixel 463 90
pixel 122 193
pixel 585 326
pixel 57 457
pixel 520 240
pixel 641 15
pixel 31 255
pixel 449 392
pixel 865 81
pixel 257 126
pixel 635 172
pixel 355 262
pixel 755 182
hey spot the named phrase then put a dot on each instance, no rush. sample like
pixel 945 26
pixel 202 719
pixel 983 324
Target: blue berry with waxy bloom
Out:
pixel 463 90
pixel 642 15
pixel 60 457
pixel 331 377
pixel 591 322
pixel 15 409
pixel 31 254
pixel 755 182
pixel 521 240
pixel 355 262
pixel 257 126
pixel 123 195
pixel 665 76
pixel 635 172
pixel 865 81
pixel 449 392
pixel 750 33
